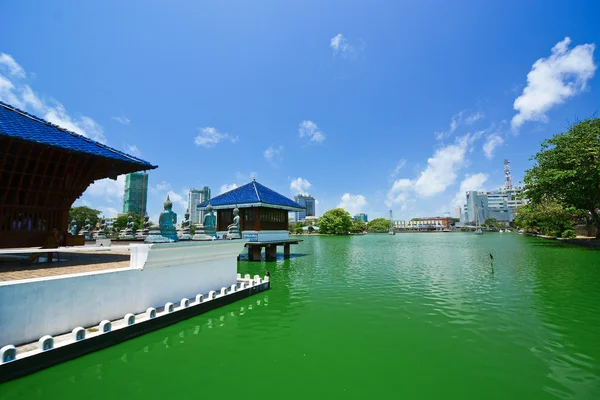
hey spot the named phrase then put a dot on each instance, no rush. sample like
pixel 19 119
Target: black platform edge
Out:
pixel 37 362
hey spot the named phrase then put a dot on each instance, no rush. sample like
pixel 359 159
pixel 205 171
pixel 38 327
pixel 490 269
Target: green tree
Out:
pixel 336 221
pixel 567 170
pixel 298 228
pixel 80 214
pixel 311 228
pixel 358 227
pixel 121 222
pixel 378 225
pixel 547 217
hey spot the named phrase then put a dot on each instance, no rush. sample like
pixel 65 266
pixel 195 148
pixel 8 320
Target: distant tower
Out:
pixel 507 177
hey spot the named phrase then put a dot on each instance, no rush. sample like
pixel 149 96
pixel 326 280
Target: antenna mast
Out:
pixel 507 177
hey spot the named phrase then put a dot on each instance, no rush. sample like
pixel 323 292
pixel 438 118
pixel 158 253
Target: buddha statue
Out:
pixel 210 222
pixel 86 229
pixel 146 230
pixel 200 233
pixel 101 234
pixel 233 230
pixel 165 231
pixel 127 233
pixel 166 221
pixel 74 227
pixel 184 233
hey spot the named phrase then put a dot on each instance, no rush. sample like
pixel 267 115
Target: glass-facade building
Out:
pixel 136 193
pixel 195 197
pixel 361 217
pixel 305 201
pixel 500 204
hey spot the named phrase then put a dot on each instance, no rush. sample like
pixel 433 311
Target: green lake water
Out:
pixel 407 316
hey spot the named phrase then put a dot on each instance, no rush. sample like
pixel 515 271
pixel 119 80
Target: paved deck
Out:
pixel 12 267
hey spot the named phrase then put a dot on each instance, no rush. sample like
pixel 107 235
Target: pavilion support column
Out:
pixel 271 253
pixel 254 253
pixel 286 251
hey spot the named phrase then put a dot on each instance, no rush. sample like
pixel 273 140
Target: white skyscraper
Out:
pixel 194 196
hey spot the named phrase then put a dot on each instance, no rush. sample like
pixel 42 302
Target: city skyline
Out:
pixel 298 91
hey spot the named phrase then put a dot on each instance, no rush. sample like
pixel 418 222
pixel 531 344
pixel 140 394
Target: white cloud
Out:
pixel 354 204
pixel 109 212
pixel 399 192
pixel 179 199
pixel 17 93
pixel 210 137
pixel 340 45
pixel 398 167
pixel 471 182
pixel 179 202
pixel 13 67
pixel 7 93
pixel 553 80
pixel 441 169
pixel 273 155
pixel 226 188
pixel 440 173
pixel 312 131
pixel 134 151
pixel 300 186
pixel 491 142
pixel 161 187
pixel 107 190
pixel 245 178
pixel 458 119
pixel 122 120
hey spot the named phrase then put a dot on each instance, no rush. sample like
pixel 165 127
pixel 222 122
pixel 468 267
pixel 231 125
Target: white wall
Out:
pixel 30 309
pixel 268 236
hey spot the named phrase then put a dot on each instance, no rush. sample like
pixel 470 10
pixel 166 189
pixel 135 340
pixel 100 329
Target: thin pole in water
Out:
pixel 492 262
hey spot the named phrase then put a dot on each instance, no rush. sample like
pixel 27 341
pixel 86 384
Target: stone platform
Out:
pixel 13 268
pixel 255 249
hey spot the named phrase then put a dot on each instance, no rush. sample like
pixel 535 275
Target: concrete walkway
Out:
pixel 12 267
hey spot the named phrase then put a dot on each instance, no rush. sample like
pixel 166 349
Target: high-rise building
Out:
pixel 307 201
pixel 458 213
pixel 136 193
pixel 204 196
pixel 195 197
pixel 361 217
pixel 193 201
pixel 500 204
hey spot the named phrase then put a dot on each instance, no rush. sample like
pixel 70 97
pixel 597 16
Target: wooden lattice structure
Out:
pixel 254 219
pixel 43 170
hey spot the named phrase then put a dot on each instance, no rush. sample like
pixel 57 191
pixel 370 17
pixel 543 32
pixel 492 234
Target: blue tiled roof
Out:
pixel 20 125
pixel 252 193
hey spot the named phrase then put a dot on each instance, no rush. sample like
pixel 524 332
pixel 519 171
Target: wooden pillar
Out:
pixel 271 252
pixel 254 253
pixel 286 251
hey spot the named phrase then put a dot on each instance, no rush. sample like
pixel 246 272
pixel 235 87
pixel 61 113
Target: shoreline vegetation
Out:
pixel 562 189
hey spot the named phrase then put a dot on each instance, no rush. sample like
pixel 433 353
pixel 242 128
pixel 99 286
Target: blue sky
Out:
pixel 370 105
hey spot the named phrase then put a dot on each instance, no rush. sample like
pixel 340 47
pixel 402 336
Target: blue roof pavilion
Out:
pixel 252 194
pixel 260 208
pixel 43 169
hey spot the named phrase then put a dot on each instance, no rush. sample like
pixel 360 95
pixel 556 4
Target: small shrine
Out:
pixel 255 213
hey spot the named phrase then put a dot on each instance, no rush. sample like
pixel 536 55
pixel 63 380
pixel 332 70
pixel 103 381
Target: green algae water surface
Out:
pixel 412 316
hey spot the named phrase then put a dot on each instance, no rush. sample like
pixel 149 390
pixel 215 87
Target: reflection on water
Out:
pixel 404 316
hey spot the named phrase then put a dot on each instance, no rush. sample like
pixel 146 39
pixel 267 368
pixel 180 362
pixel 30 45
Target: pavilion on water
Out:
pixel 43 170
pixel 263 218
